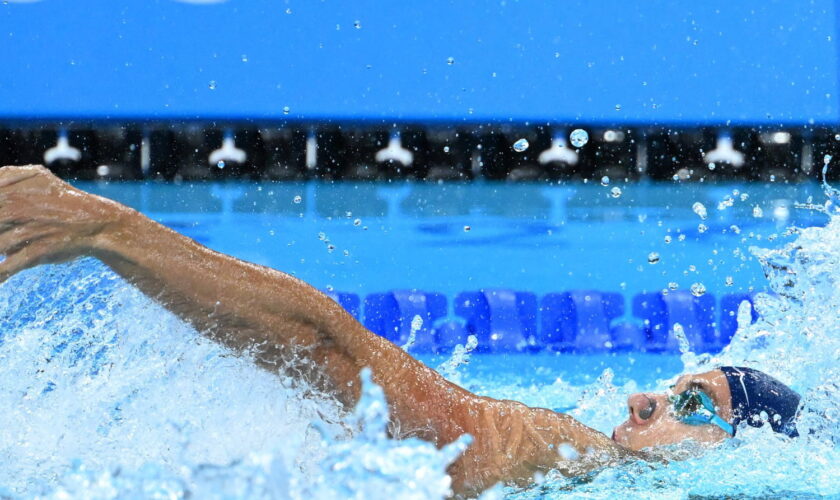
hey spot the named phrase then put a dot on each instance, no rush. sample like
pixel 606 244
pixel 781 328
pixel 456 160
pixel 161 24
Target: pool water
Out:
pixel 106 395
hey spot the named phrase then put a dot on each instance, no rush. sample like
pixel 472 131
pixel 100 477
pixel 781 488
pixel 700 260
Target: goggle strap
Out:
pixel 723 424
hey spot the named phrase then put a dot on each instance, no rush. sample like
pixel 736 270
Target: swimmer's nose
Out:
pixel 641 407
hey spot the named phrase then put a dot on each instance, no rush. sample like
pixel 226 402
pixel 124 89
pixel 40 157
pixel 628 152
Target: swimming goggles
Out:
pixel 695 407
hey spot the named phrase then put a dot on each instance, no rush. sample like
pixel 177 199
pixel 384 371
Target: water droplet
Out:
pixel 837 137
pixel 653 258
pixel 520 145
pixel 330 248
pixel 244 58
pixel 221 164
pixel 618 107
pixel 286 110
pixel 758 212
pixel 212 85
pixel 579 137
pixel 700 210
pixel 729 281
pixel 467 229
pixel 702 228
pixel 605 181
pixel 450 61
pixel 673 285
pixel 744 196
pixel 682 237
pixel 357 24
pixel 698 289
pixel 357 222
pixel 712 166
pixel 288 10
pixel 615 192
pixel 446 149
pixel 667 239
pixel 297 199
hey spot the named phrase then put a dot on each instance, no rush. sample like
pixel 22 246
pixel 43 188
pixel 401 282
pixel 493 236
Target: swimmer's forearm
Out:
pixel 245 305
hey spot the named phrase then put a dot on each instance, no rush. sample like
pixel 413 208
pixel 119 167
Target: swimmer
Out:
pixel 44 220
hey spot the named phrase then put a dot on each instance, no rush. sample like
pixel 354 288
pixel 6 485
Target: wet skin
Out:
pixel 290 325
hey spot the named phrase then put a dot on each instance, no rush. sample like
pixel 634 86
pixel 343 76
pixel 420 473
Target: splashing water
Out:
pixel 416 325
pixel 106 395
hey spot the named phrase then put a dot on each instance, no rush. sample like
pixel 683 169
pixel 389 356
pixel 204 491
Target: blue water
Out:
pixel 538 238
pixel 108 396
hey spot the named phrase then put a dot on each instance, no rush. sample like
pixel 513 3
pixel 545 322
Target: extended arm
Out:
pixel 246 306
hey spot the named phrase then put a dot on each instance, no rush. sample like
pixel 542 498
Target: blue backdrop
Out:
pixel 580 61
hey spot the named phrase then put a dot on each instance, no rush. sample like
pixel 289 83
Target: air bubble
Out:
pixel 698 289
pixel 615 192
pixel 605 181
pixel 700 210
pixel 653 258
pixel 579 138
pixel 520 145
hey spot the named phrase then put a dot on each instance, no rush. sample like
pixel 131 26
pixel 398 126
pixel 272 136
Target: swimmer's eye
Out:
pixel 687 403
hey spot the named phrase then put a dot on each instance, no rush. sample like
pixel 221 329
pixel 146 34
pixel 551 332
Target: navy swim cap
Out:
pixel 754 392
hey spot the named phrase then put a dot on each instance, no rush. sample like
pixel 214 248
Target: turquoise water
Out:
pixel 106 395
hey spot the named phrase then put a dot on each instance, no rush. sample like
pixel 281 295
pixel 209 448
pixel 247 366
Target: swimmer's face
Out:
pixel 651 420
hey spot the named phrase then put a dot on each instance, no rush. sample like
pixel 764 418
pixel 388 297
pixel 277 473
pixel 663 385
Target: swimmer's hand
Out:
pixel 44 220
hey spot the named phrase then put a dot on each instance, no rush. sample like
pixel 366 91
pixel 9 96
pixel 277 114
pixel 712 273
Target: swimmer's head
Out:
pixel 735 395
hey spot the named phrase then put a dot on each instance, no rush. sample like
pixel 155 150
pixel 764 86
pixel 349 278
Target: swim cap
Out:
pixel 754 392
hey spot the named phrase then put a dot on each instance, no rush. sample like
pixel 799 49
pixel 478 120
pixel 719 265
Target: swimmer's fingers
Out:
pixel 13 240
pixel 10 176
pixel 36 253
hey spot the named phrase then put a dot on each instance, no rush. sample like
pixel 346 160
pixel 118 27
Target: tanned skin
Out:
pixel 249 307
